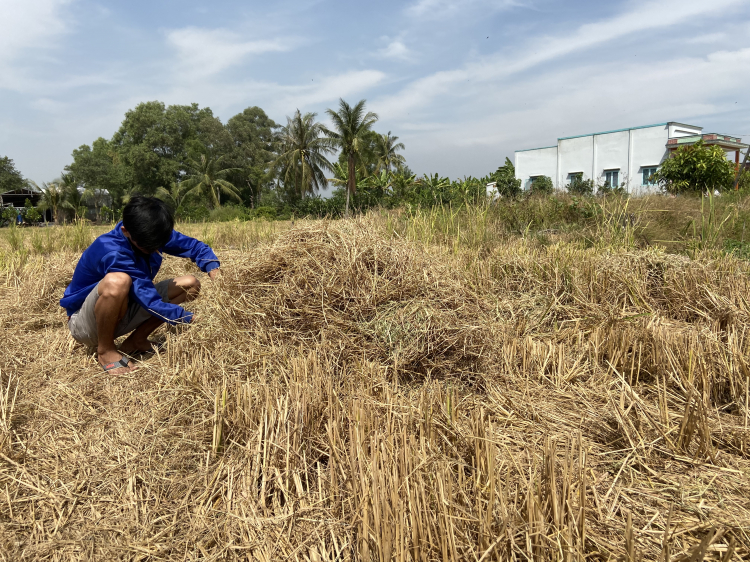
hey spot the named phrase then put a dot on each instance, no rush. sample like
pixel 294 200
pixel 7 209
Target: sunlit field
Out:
pixel 411 385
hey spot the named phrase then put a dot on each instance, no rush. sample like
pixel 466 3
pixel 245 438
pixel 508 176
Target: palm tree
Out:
pixel 172 196
pixel 435 186
pixel 206 177
pixel 379 184
pixel 340 175
pixel 97 196
pixel 351 125
pixel 72 198
pixel 402 184
pixel 385 151
pixel 302 149
pixel 52 198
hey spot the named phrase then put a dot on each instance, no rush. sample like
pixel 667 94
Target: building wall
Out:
pixel 576 155
pixel 649 149
pixel 538 162
pixel 677 130
pixel 627 151
pixel 612 154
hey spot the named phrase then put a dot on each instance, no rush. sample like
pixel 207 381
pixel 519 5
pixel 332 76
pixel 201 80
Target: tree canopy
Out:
pixel 10 178
pixel 696 168
pixel 351 134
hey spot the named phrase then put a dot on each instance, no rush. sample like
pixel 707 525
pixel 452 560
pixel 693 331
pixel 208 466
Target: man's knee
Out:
pixel 115 284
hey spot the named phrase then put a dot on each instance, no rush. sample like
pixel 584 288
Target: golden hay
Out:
pixel 350 395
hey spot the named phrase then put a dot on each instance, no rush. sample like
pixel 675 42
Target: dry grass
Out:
pixel 357 391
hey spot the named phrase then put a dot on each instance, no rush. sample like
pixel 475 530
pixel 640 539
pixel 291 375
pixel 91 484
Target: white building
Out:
pixel 624 155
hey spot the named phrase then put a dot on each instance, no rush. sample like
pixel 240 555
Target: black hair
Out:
pixel 149 221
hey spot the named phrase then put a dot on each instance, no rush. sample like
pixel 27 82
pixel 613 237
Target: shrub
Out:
pixel 618 190
pixel 542 186
pixel 267 213
pixel 9 216
pixel 696 168
pixel 580 186
pixel 30 214
pixel 192 213
pixel 228 213
pixel 506 183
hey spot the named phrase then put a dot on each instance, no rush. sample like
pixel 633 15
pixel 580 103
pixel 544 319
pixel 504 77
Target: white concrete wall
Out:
pixel 677 130
pixel 649 149
pixel 576 155
pixel 611 154
pixel 539 162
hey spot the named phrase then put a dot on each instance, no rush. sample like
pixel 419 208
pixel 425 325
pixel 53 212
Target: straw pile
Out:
pixel 349 395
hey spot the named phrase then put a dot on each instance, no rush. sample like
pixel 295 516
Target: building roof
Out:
pixel 22 191
pixel 727 142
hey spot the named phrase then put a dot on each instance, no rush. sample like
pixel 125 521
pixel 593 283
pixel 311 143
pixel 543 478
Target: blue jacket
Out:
pixel 112 252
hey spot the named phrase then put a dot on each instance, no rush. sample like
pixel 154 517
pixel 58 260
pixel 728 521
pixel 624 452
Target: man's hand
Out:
pixel 213 273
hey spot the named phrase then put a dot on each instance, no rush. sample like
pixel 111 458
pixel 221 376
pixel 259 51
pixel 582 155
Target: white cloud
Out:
pixel 395 50
pixel 209 51
pixel 708 38
pixel 535 110
pixel 275 98
pixel 438 9
pixel 642 17
pixel 27 29
pixel 29 24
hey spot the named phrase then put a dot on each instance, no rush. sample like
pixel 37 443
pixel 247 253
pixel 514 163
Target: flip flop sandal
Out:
pixel 122 363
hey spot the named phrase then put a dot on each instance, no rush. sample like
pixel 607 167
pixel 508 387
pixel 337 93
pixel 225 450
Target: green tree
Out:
pixel 72 197
pixel 402 184
pixel 10 178
pixel 378 187
pixel 253 146
pixel 98 169
pixel 301 160
pixel 30 213
pixel 206 177
pixel 52 198
pixel 172 196
pixel 505 180
pixel 153 141
pixel 433 189
pixel 351 125
pixel 386 152
pixel 696 168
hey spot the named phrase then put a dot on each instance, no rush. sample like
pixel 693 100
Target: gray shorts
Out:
pixel 82 324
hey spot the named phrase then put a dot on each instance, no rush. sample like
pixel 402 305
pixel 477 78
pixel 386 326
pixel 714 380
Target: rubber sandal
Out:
pixel 121 364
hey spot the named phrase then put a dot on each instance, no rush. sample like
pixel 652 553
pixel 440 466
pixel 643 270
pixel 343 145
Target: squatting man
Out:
pixel 113 293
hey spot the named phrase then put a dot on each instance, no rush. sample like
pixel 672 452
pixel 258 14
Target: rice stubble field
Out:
pixel 356 390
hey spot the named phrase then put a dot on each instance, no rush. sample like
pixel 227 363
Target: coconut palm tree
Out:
pixel 52 198
pixel 205 176
pixel 98 197
pixel 171 196
pixel 386 152
pixel 72 197
pixel 350 127
pixel 302 154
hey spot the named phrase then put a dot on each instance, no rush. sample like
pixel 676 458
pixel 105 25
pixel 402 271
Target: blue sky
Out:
pixel 464 83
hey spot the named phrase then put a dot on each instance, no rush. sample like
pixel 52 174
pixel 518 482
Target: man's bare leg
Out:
pixel 181 289
pixel 110 308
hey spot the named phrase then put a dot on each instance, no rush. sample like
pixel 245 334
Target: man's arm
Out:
pixel 186 247
pixel 144 292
